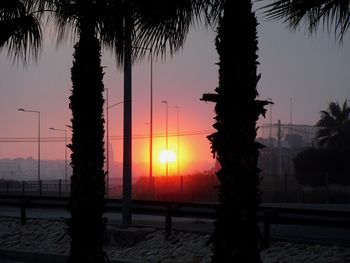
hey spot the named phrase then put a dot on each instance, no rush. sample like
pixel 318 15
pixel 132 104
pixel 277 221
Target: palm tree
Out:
pixel 236 236
pixel 151 24
pixel 334 125
pixel 328 13
pixel 86 205
pixel 20 29
pixel 95 22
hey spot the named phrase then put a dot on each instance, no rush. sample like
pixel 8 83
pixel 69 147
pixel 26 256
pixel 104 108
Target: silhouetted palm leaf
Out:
pixel 20 29
pixel 329 13
pixel 333 124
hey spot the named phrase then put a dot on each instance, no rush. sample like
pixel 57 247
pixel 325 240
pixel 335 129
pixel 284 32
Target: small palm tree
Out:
pixel 328 13
pixel 334 124
pixel 20 29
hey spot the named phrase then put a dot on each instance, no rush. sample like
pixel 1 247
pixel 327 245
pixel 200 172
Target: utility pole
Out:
pixel 127 130
pixel 166 137
pixel 279 137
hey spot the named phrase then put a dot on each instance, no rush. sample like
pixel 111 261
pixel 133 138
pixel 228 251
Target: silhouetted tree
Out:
pixel 236 236
pixel 318 167
pixel 334 126
pixel 151 24
pixel 86 206
pixel 328 13
pixel 310 167
pixel 20 28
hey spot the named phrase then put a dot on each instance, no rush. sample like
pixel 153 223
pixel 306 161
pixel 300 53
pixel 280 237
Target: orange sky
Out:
pixel 180 80
pixel 312 71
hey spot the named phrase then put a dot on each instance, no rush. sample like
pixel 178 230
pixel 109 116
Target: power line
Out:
pixel 113 137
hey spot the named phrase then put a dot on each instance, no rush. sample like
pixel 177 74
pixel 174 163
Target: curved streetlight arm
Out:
pixel 107 136
pixel 115 104
pixel 21 109
pixel 54 129
pixel 38 112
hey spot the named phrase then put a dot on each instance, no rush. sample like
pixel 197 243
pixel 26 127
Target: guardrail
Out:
pixel 268 213
pixel 53 188
pixel 41 188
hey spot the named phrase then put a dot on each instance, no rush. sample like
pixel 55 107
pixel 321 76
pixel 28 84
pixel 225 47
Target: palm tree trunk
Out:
pixel 87 200
pixel 236 235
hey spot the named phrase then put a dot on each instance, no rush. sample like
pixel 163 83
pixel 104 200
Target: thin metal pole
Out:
pixel 279 137
pixel 270 139
pixel 127 143
pixel 38 112
pixel 65 152
pixel 291 116
pixel 167 148
pixel 151 182
pixel 107 139
pixel 178 141
pixel 166 136
pixel 178 151
pixel 270 126
pixel 65 158
pixel 39 179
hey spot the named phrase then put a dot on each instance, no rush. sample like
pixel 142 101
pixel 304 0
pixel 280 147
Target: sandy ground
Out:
pixel 49 236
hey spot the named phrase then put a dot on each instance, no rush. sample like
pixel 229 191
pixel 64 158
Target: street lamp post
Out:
pixel 178 140
pixel 151 184
pixel 178 149
pixel 166 135
pixel 270 142
pixel 38 112
pixel 127 129
pixel 107 135
pixel 65 152
pixel 107 139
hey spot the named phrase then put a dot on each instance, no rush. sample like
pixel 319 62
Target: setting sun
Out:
pixel 167 156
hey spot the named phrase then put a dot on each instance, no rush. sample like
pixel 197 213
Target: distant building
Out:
pixel 276 159
pixel 291 134
pixel 27 169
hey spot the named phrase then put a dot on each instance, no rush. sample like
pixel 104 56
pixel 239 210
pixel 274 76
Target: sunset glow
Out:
pixel 167 156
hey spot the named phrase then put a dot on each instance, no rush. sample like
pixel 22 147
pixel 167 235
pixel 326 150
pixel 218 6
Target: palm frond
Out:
pixel 327 13
pixel 64 17
pixel 334 124
pixel 334 109
pixel 326 120
pixel 213 10
pixel 163 25
pixel 156 24
pixel 20 28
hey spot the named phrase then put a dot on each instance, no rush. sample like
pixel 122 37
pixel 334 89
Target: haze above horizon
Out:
pixel 312 71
